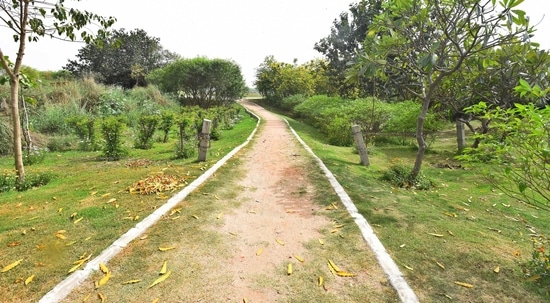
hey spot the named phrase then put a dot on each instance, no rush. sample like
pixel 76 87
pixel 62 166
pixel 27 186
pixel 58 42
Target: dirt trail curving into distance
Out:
pixel 280 206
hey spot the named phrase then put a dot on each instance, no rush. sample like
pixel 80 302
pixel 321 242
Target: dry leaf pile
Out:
pixel 157 184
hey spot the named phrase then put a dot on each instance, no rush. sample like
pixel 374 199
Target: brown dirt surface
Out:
pixel 242 254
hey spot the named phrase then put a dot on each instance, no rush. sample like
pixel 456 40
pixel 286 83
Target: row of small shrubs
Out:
pixel 334 116
pixel 9 181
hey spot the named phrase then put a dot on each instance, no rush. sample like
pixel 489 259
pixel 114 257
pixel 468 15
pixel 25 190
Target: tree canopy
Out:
pixel 123 58
pixel 201 81
pixel 420 43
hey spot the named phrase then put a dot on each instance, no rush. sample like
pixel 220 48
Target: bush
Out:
pixel 112 128
pixel 84 128
pixel 6 138
pixel 289 103
pixel 400 176
pixel 8 181
pixel 146 126
pixel 166 123
pixel 538 268
pixel 34 156
pixel 61 143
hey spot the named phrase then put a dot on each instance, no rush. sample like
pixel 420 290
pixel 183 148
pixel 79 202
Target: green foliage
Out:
pixel 538 268
pixel 51 119
pixel 290 102
pixel 34 156
pixel 112 129
pixel 9 181
pixel 146 126
pixel 84 128
pixel 6 138
pixel 186 146
pixel 201 81
pixel 400 175
pixel 60 143
pixel 122 59
pixel 278 80
pixel 166 123
pixel 517 147
pixel 111 103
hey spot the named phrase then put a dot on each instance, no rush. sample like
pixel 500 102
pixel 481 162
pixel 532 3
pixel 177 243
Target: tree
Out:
pixel 278 80
pixel 123 58
pixel 420 43
pixel 31 20
pixel 341 47
pixel 201 81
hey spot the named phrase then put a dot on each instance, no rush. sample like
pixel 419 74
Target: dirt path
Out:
pixel 242 255
pixel 280 207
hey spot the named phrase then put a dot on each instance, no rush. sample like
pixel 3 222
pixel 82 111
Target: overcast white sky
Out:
pixel 245 31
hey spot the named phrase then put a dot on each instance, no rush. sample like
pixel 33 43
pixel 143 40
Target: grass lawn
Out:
pixel 85 209
pixel 461 231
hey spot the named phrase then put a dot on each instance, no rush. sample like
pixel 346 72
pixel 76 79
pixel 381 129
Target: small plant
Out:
pixel 112 128
pixel 186 146
pixel 166 123
pixel 60 143
pixel 146 125
pixel 34 156
pixel 538 268
pixel 8 181
pixel 400 176
pixel 84 128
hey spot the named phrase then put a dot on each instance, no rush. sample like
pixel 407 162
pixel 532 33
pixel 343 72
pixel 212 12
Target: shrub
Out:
pixel 146 126
pixel 166 123
pixel 6 138
pixel 84 128
pixel 538 268
pixel 34 156
pixel 400 176
pixel 112 128
pixel 8 181
pixel 289 103
pixel 60 143
pixel 187 142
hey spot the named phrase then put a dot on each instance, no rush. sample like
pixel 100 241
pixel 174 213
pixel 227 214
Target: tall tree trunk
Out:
pixel 422 146
pixel 460 135
pixel 17 148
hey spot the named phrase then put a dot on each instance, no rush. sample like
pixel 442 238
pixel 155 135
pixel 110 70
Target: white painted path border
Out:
pixel 404 291
pixel 65 287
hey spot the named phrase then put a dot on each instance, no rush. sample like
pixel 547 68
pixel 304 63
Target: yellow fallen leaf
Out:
pixel 60 209
pixel 131 281
pixel 280 242
pixel 289 269
pixel 344 274
pixel 104 279
pixel 334 205
pixel 11 266
pixel 111 200
pixel 321 280
pixel 105 195
pixel 87 297
pixel 103 268
pixel 322 242
pixel 29 280
pixel 71 243
pixel 331 269
pixel 497 269
pixel 464 284
pixel 216 197
pixel 166 248
pixel 163 270
pixel 93 193
pixel 259 251
pixel 219 216
pixel 195 216
pixel 339 226
pixel 440 265
pixel 333 265
pixel 61 236
pixel 435 235
pixel 408 267
pixel 162 278
pixel 78 220
pixel 299 258
pixel 101 297
pixel 450 233
pixel 155 300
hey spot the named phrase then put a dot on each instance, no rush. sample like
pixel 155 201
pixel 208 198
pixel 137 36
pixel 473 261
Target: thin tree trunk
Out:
pixel 17 148
pixel 420 138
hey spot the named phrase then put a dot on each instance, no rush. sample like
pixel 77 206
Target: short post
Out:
pixel 360 143
pixel 204 139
